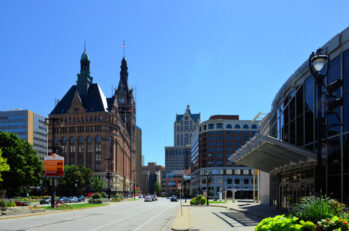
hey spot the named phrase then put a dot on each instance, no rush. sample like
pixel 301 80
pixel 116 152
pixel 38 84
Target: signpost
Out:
pixel 180 195
pixel 54 167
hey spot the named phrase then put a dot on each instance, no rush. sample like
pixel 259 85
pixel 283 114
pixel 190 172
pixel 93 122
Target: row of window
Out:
pixel 81 140
pixel 228 126
pixel 229 181
pixel 79 129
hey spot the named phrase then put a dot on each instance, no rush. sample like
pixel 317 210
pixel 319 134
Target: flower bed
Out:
pixel 198 200
pixel 311 214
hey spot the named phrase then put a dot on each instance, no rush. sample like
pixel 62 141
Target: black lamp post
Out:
pixel 318 65
pixel 207 179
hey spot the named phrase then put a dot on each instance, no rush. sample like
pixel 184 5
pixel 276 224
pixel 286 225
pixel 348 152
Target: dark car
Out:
pixel 45 200
pixel 81 199
pixel 174 198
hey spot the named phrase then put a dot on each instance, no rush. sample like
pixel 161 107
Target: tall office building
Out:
pixel 95 131
pixel 27 125
pixel 150 175
pixel 184 127
pixel 213 143
pixel 177 158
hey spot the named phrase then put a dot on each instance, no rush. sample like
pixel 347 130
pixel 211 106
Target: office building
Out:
pixel 213 143
pixel 150 175
pixel 184 127
pixel 27 125
pixel 287 146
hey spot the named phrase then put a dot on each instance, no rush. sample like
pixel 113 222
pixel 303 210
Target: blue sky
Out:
pixel 221 57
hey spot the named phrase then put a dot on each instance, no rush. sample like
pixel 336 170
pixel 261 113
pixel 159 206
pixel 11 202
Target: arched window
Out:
pixel 254 126
pixel 81 139
pixel 98 139
pixel 245 126
pixel 237 126
pixel 89 139
pixel 229 126
pixel 72 140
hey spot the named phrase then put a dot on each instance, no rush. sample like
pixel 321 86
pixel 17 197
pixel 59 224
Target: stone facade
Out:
pixel 97 132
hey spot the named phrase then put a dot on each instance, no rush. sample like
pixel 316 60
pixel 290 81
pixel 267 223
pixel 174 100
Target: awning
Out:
pixel 268 154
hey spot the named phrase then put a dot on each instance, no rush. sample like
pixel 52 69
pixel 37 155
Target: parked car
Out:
pixel 148 199
pixel 81 199
pixel 140 196
pixel 174 198
pixel 73 200
pixel 63 199
pixel 45 200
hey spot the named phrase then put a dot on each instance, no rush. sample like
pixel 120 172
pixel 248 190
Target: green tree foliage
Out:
pixel 157 188
pixel 25 166
pixel 97 184
pixel 4 167
pixel 73 174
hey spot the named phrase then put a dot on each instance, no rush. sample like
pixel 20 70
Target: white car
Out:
pixel 148 199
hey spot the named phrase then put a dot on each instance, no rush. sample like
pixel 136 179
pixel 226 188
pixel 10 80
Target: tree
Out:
pixel 157 188
pixel 75 181
pixel 97 184
pixel 26 167
pixel 4 167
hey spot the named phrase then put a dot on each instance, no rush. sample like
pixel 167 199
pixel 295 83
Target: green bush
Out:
pixel 278 223
pixel 104 195
pixel 203 200
pixel 96 196
pixel 193 201
pixel 7 203
pixel 315 209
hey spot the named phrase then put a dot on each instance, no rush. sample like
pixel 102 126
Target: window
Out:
pixel 228 155
pixel 219 137
pixel 211 126
pixel 219 125
pixel 228 132
pixel 219 163
pixel 228 137
pixel 219 143
pixel 245 126
pixel 72 140
pixel 237 181
pixel 98 147
pixel 229 172
pixel 237 171
pixel 229 143
pixel 246 181
pixel 237 138
pixel 219 155
pixel 81 140
pixel 219 132
pixel 246 171
pixel 254 126
pixel 237 132
pixel 211 163
pixel 211 149
pixel 237 126
pixel 210 144
pixel 229 126
pixel 237 144
pixel 89 139
pixel 219 149
pixel 210 133
pixel 229 181
pixel 98 139
pixel 211 138
pixel 229 149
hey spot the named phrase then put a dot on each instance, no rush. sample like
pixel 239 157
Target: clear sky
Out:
pixel 221 57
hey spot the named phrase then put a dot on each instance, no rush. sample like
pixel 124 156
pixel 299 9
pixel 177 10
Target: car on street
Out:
pixel 174 198
pixel 63 199
pixel 148 199
pixel 140 196
pixel 73 200
pixel 154 197
pixel 45 200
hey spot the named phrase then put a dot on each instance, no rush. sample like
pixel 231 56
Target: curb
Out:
pixel 43 213
pixel 182 223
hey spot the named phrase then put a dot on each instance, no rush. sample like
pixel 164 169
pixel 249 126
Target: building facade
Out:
pixel 214 142
pixel 287 143
pixel 138 156
pixel 150 175
pixel 184 127
pixel 27 125
pixel 97 132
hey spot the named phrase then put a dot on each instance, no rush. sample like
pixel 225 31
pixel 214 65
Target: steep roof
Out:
pixel 194 117
pixel 94 100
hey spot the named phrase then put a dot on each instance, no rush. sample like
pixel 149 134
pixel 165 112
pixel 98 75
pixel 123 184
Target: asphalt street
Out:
pixel 135 215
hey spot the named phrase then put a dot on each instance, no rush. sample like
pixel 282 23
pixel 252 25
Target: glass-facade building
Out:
pixel 290 129
pixel 27 125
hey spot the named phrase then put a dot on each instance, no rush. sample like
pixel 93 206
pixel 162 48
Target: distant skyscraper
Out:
pixel 27 125
pixel 184 127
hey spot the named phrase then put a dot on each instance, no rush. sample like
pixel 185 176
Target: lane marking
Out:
pixel 114 222
pixel 152 219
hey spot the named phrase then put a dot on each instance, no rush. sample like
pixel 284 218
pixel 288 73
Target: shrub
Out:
pixel 278 223
pixel 335 223
pixel 193 201
pixel 104 195
pixel 203 200
pixel 7 203
pixel 317 208
pixel 96 196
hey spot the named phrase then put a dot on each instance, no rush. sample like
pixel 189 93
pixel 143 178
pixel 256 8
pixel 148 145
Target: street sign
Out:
pixel 54 165
pixel 179 186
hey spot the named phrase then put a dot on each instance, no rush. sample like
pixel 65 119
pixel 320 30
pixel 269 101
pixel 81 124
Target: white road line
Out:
pixel 114 222
pixel 151 219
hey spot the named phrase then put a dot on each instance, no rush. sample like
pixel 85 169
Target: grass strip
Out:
pixel 74 206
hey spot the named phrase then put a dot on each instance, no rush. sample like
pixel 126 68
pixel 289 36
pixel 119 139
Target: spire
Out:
pixel 84 78
pixel 123 84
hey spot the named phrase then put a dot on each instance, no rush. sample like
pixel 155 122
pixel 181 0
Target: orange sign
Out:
pixel 54 165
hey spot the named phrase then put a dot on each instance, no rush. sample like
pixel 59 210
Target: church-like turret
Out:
pixel 84 79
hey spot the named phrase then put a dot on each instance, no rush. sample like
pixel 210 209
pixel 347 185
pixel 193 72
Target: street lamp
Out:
pixel 318 65
pixel 207 179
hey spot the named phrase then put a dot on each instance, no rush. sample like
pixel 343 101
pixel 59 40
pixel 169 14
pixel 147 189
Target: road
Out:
pixel 133 215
